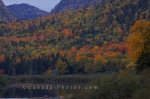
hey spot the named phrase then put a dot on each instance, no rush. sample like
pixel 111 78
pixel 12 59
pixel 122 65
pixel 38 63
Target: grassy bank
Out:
pixel 46 79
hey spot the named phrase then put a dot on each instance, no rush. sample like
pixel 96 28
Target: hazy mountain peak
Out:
pixel 25 11
pixel 5 14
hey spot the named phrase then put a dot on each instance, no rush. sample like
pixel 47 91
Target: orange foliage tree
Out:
pixel 2 58
pixel 139 44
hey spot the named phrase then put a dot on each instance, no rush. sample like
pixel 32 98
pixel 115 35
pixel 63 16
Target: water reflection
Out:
pixel 41 90
pixel 26 93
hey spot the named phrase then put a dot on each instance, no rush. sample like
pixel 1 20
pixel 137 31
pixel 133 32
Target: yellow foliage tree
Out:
pixel 61 66
pixel 139 43
pixel 49 72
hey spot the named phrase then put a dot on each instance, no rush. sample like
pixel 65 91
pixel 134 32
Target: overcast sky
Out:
pixel 46 5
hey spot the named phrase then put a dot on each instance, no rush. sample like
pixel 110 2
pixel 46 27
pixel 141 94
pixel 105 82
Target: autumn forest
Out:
pixel 112 36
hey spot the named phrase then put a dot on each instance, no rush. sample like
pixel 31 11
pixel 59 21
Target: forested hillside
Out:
pixel 88 40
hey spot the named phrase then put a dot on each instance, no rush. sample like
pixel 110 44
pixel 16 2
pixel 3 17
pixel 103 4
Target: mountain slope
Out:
pixel 25 11
pixel 72 4
pixel 5 14
pixel 73 38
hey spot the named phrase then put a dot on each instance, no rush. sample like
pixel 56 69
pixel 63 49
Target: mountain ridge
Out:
pixel 64 5
pixel 25 11
pixel 5 14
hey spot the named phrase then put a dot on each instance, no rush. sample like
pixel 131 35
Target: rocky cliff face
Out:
pixel 5 14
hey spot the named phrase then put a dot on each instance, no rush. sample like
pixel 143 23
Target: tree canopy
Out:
pixel 139 44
